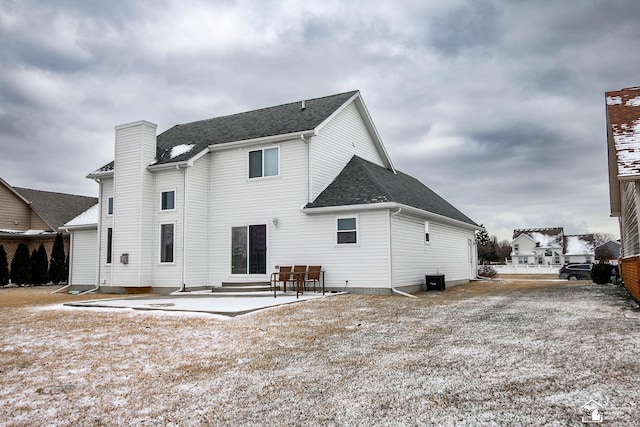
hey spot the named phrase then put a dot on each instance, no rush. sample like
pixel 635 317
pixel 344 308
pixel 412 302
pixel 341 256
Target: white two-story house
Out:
pixel 550 246
pixel 229 199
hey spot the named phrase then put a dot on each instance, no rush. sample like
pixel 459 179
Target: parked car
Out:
pixel 575 272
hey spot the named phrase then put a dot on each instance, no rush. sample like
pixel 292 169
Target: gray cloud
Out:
pixel 496 105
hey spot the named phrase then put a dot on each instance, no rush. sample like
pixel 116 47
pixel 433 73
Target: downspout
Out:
pixel 99 230
pixel 183 287
pixel 393 289
pixel 307 172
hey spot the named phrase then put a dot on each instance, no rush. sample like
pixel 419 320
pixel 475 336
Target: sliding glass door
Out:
pixel 249 249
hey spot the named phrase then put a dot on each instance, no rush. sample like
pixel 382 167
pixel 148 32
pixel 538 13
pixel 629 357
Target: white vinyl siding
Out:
pixel 83 255
pixel 196 221
pixel 134 196
pixel 447 253
pixel 630 231
pixel 336 143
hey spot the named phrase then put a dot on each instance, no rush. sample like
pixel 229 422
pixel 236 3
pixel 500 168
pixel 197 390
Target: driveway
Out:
pixel 512 352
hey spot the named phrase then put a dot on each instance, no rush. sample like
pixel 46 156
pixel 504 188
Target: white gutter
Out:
pixel 397 291
pixel 99 239
pixel 262 140
pixel 389 205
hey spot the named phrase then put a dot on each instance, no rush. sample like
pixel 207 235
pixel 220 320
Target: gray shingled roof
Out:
pixel 279 120
pixel 56 208
pixel 362 182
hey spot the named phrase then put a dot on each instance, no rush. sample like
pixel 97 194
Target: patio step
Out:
pixel 243 287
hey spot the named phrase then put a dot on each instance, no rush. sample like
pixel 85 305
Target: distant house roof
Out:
pixel 623 110
pixel 581 244
pixel 623 140
pixel 362 182
pixel 56 208
pixel 545 237
pixel 183 141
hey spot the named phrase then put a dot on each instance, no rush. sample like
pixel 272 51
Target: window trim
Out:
pixel 248 250
pixel 109 251
pixel 160 244
pixel 110 205
pixel 175 194
pixel 427 235
pixel 356 230
pixel 262 175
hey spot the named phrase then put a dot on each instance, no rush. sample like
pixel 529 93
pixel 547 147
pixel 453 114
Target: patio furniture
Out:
pixel 313 276
pixel 282 275
pixel 298 277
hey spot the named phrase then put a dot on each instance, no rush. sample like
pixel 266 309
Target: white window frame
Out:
pixel 262 176
pixel 427 236
pixel 356 230
pixel 109 247
pixel 161 243
pixel 110 205
pixel 175 199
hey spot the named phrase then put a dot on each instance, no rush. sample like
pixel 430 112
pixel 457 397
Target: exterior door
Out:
pixel 249 249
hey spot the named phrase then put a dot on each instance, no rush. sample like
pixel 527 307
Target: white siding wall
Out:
pixel 106 191
pixel 197 220
pixel 298 238
pixel 167 274
pixel 446 253
pixel 83 255
pixel 336 143
pixel 133 208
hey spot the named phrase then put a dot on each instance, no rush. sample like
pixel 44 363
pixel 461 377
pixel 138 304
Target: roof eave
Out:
pixel 100 174
pixel 389 205
pixel 263 140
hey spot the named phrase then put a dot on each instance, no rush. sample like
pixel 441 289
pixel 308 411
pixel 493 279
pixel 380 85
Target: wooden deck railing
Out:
pixel 630 269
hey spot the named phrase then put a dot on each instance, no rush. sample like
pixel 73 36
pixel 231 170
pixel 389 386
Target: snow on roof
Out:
pixel 546 240
pixel 88 217
pixel 623 110
pixel 544 237
pixel 578 245
pixel 181 149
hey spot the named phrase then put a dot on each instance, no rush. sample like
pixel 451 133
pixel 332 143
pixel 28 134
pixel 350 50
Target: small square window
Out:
pixel 264 163
pixel 168 200
pixel 110 206
pixel 347 230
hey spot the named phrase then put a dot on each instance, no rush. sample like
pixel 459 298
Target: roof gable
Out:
pixel 361 182
pixel 55 209
pixel 286 119
pixel 544 237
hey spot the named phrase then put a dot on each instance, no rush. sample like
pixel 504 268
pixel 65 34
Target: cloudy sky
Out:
pixel 498 106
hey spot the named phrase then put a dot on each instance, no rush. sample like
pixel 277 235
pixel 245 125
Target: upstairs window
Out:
pixel 264 162
pixel 110 206
pixel 168 200
pixel 347 230
pixel 426 231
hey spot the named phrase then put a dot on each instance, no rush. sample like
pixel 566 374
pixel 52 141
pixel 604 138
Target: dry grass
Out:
pixel 501 352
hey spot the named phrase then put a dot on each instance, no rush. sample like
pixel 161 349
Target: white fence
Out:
pixel 527 269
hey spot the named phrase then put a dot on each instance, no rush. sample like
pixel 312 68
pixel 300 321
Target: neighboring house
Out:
pixel 623 147
pixel 608 251
pixel 550 246
pixel 229 199
pixel 33 217
pixel 541 246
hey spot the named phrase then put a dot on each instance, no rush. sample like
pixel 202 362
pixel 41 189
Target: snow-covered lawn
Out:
pixel 488 353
